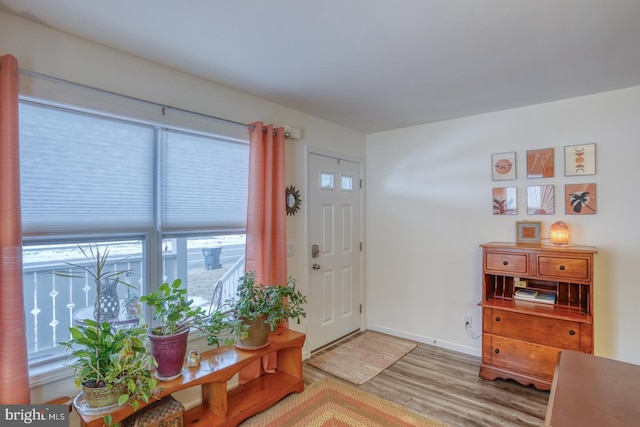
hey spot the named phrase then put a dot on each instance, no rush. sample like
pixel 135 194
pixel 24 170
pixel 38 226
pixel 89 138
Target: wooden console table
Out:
pixel 591 391
pixel 228 408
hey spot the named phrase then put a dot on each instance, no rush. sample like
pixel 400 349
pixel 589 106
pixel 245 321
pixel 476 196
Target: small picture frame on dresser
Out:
pixel 529 232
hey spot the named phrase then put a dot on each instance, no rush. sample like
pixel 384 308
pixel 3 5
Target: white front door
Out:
pixel 334 294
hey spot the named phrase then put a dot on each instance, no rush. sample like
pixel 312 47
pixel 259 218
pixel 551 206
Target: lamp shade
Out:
pixel 559 233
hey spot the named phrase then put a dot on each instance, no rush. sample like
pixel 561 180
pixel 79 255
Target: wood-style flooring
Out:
pixel 444 385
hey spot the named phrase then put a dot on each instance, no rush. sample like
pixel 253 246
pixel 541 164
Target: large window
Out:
pixel 168 203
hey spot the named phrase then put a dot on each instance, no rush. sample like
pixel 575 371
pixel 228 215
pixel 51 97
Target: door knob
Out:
pixel 316 266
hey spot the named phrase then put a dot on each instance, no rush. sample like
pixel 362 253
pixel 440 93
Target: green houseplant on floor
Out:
pixel 258 309
pixel 177 316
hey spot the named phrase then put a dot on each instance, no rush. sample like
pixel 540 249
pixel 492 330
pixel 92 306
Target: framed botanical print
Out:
pixel 580 199
pixel 540 200
pixel 580 160
pixel 503 166
pixel 540 163
pixel 529 232
pixel 505 201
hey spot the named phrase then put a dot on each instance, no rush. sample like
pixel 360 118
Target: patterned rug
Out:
pixel 364 357
pixel 331 403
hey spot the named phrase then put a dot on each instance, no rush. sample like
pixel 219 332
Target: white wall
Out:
pixel 429 206
pixel 43 50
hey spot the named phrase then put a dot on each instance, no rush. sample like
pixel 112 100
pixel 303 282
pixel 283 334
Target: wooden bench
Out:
pixel 219 406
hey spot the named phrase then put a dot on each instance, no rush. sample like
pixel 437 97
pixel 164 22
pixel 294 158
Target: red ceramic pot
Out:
pixel 169 351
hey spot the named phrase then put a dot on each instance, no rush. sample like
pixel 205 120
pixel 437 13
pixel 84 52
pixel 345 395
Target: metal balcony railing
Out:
pixel 51 300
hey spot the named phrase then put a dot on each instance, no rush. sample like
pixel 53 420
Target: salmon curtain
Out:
pixel 14 369
pixel 266 243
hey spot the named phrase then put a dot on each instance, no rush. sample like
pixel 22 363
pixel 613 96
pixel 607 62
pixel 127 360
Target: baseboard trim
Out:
pixel 425 340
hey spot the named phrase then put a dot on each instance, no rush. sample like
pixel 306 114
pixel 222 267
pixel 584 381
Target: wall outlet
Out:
pixel 468 321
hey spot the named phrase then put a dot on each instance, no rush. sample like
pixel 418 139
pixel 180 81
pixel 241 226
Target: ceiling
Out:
pixel 373 65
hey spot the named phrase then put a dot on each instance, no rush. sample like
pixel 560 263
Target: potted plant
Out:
pixel 177 316
pixel 111 365
pixel 258 309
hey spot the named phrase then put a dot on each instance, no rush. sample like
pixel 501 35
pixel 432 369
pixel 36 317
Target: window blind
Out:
pixel 84 174
pixel 204 183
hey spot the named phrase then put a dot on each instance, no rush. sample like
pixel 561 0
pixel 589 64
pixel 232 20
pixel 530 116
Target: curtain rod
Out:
pixel 163 107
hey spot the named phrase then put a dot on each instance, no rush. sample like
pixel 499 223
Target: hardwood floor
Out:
pixel 444 385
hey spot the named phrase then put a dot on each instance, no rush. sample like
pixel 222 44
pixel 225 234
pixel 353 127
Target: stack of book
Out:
pixel 534 296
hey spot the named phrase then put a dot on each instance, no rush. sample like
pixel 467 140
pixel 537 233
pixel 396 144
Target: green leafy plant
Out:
pixel 171 307
pixel 103 356
pixel 176 313
pixel 275 303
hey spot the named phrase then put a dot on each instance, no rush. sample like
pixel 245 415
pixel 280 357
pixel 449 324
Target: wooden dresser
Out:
pixel 521 339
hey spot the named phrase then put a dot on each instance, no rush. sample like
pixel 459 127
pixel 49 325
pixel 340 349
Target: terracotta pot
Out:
pixel 258 334
pixel 169 352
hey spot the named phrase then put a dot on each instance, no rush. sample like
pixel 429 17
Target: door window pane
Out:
pixel 326 181
pixel 347 183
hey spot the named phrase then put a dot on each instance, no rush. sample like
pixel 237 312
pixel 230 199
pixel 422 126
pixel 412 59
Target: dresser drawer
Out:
pixel 507 262
pixel 520 356
pixel 564 268
pixel 535 329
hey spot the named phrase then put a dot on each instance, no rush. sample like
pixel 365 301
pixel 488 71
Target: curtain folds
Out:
pixel 266 245
pixel 14 369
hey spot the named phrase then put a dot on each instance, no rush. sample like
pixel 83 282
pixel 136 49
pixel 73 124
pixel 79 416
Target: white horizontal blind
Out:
pixel 82 173
pixel 203 183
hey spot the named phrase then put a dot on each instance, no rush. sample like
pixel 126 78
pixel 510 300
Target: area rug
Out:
pixel 332 403
pixel 362 358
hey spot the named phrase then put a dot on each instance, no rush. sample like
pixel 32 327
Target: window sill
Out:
pixel 49 372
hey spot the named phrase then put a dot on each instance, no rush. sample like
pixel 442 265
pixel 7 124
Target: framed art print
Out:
pixel 529 232
pixel 580 160
pixel 505 201
pixel 540 200
pixel 580 199
pixel 540 163
pixel 503 166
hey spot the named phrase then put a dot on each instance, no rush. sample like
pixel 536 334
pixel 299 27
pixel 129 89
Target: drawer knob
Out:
pixel 505 262
pixel 572 332
pixel 497 318
pixel 497 350
pixel 562 268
